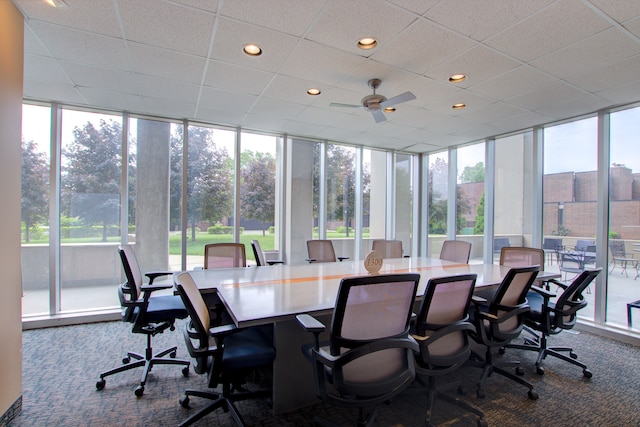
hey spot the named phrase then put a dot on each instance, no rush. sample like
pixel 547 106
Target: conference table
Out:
pixel 276 294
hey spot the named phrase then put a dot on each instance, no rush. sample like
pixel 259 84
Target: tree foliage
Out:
pixel 473 173
pixel 92 174
pixel 257 192
pixel 35 187
pixel 478 228
pixel 437 199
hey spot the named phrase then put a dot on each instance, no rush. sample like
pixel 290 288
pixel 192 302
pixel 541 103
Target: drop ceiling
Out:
pixel 528 63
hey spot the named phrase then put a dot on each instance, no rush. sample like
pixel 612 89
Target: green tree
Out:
pixel 438 202
pixel 91 174
pixel 257 192
pixel 473 174
pixel 478 228
pixel 35 187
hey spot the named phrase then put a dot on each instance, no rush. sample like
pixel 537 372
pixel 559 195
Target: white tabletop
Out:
pixel 259 295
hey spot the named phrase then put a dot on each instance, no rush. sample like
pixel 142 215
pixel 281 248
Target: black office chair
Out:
pixel 322 251
pixel 550 318
pixel 369 357
pixel 441 331
pixel 501 320
pixel 225 353
pixel 149 315
pixel 259 255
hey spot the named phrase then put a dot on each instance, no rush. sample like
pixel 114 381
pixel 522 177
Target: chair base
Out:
pixel 147 362
pixel 365 419
pixel 488 368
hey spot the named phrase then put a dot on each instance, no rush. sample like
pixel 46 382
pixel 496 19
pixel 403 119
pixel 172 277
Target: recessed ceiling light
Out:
pixel 458 106
pixel 252 49
pixel 457 78
pixel 60 4
pixel 367 43
pixel 389 109
pixel 314 91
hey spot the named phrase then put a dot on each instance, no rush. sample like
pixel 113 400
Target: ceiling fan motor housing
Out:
pixel 372 102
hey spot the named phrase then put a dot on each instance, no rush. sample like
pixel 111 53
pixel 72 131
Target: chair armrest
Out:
pixel 276 261
pixel 545 294
pixel 313 325
pixel 153 275
pixel 341 258
pixel 557 283
pixel 148 289
pixel 478 300
pixel 310 260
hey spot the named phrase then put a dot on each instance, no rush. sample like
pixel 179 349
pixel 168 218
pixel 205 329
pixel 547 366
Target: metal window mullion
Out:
pixel 390 200
pixel 452 190
pixel 237 183
pixel 322 196
pixel 602 215
pixel 124 181
pixel 536 139
pixel 282 153
pixel 183 198
pixel 489 198
pixel 423 242
pixel 415 203
pixel 54 210
pixel 358 208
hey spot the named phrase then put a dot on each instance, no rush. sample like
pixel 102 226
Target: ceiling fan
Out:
pixel 377 103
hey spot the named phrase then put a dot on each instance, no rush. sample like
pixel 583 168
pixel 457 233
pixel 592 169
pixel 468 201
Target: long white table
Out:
pixel 276 294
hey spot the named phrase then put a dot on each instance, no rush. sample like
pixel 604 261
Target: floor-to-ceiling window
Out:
pixel 437 201
pixel 624 216
pixel 570 194
pixel 374 197
pixel 470 198
pixel 403 203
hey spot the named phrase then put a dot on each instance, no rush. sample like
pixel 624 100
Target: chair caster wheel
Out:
pixel 480 393
pixel 185 371
pixel 573 355
pixel 184 401
pixel 519 371
pixel 126 360
pixel 502 350
pixel 482 422
pixel 172 355
pixel 587 373
pixel 139 391
pixel 539 370
pixel 533 395
pixel 100 384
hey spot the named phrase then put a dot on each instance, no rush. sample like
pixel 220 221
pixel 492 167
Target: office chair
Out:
pixel 501 320
pixel 369 357
pixel 456 251
pixel 225 353
pixel 224 255
pixel 548 318
pixel 387 248
pixel 149 315
pixel 441 330
pixel 259 255
pixel 322 251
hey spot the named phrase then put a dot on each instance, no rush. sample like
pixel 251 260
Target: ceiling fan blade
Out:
pixel 337 104
pixel 403 97
pixel 378 116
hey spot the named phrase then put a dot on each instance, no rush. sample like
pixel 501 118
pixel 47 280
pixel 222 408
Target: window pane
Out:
pixel 404 201
pixel 258 193
pixel 438 198
pixel 470 199
pixel 374 198
pixel 210 190
pixel 624 216
pixel 570 192
pixel 91 159
pixel 36 130
pixel 340 184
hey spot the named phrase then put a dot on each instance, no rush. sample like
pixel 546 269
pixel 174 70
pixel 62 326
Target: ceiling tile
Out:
pixel 223 100
pixel 44 69
pixel 545 96
pixel 45 91
pixel 112 99
pixel 153 61
pixel 513 83
pixel 621 11
pixel 101 78
pixel 611 75
pixel 236 78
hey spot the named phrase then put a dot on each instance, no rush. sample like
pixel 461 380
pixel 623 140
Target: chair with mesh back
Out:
pixel 150 315
pixel 370 356
pixel 387 248
pixel 456 251
pixel 441 330
pixel 322 251
pixel 224 255
pixel 259 255
pixel 225 353
pixel 500 320
pixel 550 318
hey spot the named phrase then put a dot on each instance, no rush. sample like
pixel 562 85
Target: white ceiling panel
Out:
pixel 112 99
pixel 153 61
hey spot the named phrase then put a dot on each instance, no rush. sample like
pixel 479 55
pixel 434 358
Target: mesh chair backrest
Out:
pixel 456 251
pixel 571 300
pixel 194 303
pixel 371 308
pixel 388 248
pixel 321 250
pixel 257 252
pixel 511 293
pixel 521 257
pixel 131 270
pixel 446 301
pixel 224 255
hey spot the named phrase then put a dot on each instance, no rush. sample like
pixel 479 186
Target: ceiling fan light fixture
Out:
pixel 314 91
pixel 389 109
pixel 458 106
pixel 252 49
pixel 367 43
pixel 457 78
pixel 58 4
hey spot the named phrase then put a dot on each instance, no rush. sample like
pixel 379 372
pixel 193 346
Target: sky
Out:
pixel 568 147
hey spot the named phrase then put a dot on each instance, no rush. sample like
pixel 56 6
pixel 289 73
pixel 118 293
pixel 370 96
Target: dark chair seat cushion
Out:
pixel 165 307
pixel 536 301
pixel 248 348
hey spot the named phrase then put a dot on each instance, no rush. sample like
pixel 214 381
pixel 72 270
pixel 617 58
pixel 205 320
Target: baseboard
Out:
pixel 11 413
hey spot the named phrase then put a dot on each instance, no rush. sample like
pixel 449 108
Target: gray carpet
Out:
pixel 61 366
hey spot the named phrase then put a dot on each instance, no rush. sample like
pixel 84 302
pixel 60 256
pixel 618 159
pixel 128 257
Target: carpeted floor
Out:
pixel 61 366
